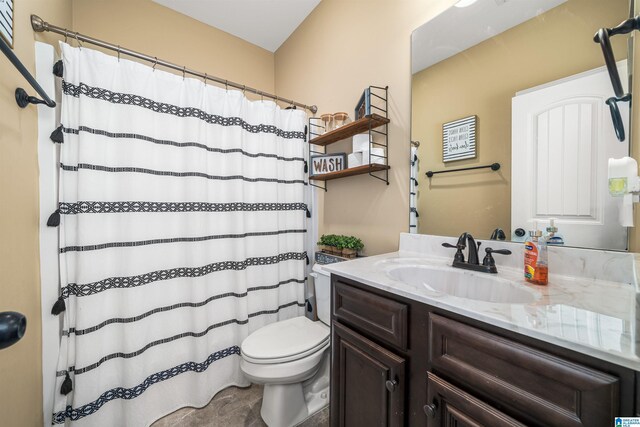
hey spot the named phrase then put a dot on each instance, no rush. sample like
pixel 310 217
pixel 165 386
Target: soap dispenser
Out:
pixel 536 268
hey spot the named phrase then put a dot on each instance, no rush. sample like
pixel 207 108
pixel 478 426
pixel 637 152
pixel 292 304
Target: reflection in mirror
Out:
pixel 531 74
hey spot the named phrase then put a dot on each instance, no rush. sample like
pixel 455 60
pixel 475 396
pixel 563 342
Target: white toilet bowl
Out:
pixel 291 359
pixel 282 356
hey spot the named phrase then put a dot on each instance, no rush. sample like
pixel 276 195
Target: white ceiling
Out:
pixel 266 23
pixel 459 28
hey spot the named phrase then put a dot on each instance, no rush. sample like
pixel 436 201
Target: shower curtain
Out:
pixel 182 230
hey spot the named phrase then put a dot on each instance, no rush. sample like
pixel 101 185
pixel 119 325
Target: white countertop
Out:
pixel 592 316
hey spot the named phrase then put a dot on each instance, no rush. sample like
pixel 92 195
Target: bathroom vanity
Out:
pixel 484 350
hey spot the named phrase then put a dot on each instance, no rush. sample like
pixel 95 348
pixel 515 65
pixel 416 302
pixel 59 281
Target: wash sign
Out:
pixel 328 163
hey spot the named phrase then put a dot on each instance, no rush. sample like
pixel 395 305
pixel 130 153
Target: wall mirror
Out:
pixel 532 77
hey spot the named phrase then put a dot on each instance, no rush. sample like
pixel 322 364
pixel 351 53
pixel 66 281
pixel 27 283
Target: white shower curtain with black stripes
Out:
pixel 182 230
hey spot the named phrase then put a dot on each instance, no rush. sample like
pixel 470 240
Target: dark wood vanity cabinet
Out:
pixel 398 362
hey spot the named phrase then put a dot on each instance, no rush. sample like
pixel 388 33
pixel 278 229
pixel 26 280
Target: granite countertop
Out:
pixel 593 316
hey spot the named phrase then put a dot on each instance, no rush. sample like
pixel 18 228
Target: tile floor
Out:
pixel 232 407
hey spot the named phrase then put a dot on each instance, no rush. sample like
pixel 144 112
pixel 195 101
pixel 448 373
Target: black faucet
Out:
pixel 498 234
pixel 473 262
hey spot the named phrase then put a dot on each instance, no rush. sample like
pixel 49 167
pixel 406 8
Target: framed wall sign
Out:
pixel 328 163
pixel 459 139
pixel 364 105
pixel 6 21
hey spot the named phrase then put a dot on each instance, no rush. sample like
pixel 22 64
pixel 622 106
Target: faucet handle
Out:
pixel 459 256
pixel 488 260
pixel 498 251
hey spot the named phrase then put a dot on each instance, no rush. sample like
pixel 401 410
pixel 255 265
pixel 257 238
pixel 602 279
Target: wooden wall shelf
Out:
pixel 374 98
pixel 371 121
pixel 358 170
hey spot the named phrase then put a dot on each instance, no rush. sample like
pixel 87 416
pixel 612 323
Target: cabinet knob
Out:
pixel 391 385
pixel 430 410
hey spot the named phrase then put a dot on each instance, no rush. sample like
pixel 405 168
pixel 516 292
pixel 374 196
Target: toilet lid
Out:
pixel 285 339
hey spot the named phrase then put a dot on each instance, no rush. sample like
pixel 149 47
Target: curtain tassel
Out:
pixel 308 213
pixel 58 69
pixel 306 167
pixel 54 219
pixel 57 136
pixel 59 306
pixel 67 386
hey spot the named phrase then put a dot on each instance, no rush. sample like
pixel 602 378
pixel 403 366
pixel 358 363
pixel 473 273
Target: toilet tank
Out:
pixel 322 281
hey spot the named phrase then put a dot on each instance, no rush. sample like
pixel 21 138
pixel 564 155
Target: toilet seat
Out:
pixel 285 341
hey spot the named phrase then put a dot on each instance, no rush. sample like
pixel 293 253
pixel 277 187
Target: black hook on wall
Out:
pixel 602 37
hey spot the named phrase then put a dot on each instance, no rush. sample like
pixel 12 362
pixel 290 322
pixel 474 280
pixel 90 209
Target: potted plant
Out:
pixel 350 246
pixel 329 243
pixel 346 246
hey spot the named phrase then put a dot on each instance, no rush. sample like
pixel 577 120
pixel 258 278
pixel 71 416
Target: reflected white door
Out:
pixel 562 138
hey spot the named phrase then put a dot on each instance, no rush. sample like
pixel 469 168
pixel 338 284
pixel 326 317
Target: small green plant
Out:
pixel 328 240
pixel 341 242
pixel 354 243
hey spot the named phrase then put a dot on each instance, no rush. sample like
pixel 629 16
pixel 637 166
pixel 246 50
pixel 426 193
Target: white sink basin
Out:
pixel 463 284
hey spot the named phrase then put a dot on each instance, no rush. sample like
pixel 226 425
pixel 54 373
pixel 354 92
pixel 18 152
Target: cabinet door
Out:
pixel 367 382
pixel 449 406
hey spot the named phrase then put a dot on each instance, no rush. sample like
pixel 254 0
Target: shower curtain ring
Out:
pixel 66 35
pixel 184 70
pixel 244 89
pixel 118 53
pixel 205 79
pixel 226 85
pixel 78 40
pixel 155 62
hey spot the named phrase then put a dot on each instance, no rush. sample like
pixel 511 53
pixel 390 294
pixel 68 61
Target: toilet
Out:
pixel 291 358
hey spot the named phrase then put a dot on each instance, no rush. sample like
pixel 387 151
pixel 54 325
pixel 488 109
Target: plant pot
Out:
pixel 330 249
pixel 349 253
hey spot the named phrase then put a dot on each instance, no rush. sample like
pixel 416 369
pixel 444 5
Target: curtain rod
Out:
pixel 39 26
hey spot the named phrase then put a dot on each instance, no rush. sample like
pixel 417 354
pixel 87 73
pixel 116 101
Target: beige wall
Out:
pixel 20 365
pixel 482 81
pixel 155 30
pixel 340 49
pixel 136 24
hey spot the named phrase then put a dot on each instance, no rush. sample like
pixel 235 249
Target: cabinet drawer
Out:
pixel 535 387
pixel 381 317
pixel 449 406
